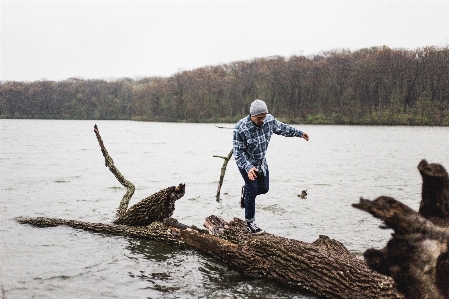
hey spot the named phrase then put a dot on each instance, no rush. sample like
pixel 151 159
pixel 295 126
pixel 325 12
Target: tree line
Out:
pixel 375 85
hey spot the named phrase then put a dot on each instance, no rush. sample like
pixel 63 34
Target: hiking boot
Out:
pixel 253 228
pixel 242 198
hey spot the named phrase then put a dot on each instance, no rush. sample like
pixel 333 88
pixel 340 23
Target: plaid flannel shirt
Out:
pixel 250 142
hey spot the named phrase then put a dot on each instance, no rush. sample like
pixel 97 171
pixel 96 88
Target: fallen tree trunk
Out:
pixel 417 255
pixel 325 267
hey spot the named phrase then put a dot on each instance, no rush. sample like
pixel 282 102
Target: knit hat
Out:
pixel 258 107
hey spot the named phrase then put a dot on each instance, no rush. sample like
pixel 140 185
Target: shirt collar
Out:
pixel 248 121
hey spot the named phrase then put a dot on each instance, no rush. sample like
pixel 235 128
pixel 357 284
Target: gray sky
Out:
pixel 56 40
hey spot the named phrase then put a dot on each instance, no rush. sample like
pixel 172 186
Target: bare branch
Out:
pixel 130 188
pixel 223 171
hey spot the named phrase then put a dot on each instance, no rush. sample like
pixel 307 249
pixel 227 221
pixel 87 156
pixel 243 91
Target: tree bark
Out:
pixel 417 255
pixel 325 267
pixel 156 207
pixel 156 231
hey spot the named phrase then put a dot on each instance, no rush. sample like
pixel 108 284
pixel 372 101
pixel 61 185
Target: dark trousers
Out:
pixel 253 188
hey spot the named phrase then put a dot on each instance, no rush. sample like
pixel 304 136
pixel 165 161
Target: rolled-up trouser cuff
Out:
pixel 251 219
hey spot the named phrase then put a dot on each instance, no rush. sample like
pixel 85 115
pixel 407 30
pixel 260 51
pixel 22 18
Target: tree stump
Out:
pixel 156 207
pixel 417 255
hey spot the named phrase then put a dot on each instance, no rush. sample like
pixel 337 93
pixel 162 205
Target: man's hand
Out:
pixel 252 173
pixel 305 136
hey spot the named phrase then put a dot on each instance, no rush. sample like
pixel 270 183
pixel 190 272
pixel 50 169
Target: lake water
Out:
pixel 55 168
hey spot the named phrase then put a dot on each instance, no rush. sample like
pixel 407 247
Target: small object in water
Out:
pixel 303 194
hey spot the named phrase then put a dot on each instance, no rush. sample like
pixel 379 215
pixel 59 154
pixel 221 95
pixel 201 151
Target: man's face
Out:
pixel 258 119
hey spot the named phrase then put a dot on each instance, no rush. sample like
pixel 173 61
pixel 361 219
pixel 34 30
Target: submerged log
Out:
pixel 417 255
pixel 156 231
pixel 325 267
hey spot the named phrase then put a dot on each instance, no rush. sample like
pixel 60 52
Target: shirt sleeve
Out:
pixel 286 130
pixel 240 155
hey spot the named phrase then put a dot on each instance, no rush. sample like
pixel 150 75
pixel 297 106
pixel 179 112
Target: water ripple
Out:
pixel 70 181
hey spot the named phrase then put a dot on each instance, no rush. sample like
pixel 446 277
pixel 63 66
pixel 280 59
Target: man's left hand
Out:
pixel 305 136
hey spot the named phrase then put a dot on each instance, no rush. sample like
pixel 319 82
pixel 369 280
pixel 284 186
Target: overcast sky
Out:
pixel 56 40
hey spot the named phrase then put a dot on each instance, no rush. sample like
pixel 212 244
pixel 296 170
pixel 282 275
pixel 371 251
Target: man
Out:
pixel 251 137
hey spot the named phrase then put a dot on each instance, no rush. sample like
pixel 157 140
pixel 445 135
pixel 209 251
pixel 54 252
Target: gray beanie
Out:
pixel 258 107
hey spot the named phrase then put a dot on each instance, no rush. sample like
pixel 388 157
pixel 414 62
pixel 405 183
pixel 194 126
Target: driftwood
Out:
pixel 325 267
pixel 108 162
pixel 156 207
pixel 222 173
pixel 417 255
pixel 156 231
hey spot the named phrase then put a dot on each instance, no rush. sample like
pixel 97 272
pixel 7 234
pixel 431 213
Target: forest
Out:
pixel 370 86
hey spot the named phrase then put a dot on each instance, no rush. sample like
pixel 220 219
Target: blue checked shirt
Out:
pixel 250 142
